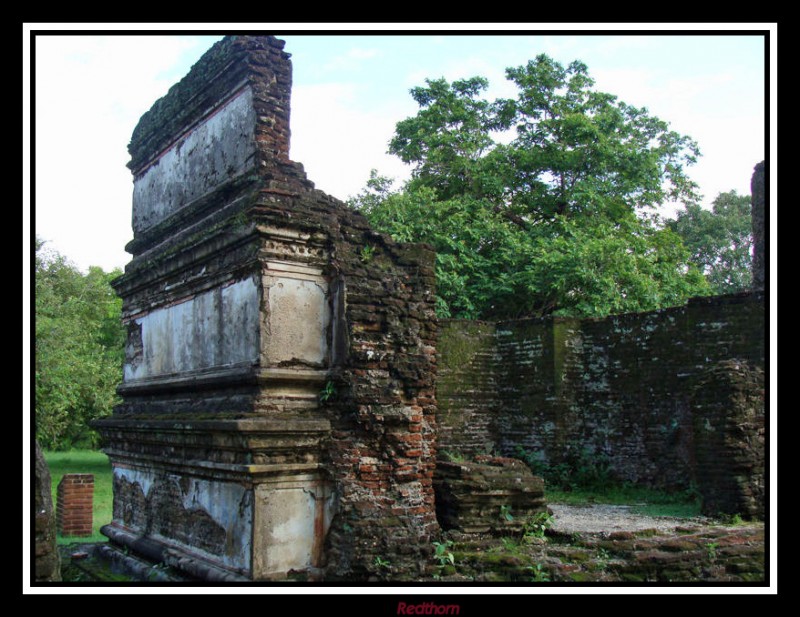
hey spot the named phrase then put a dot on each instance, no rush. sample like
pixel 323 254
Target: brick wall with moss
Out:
pixel 617 391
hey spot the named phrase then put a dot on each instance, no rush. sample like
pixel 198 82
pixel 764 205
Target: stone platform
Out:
pixel 487 495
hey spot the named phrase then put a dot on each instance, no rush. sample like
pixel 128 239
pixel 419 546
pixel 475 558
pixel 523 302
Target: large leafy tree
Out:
pixel 79 349
pixel 539 204
pixel 720 240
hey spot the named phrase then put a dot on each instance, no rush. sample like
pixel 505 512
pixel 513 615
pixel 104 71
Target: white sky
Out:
pixel 349 92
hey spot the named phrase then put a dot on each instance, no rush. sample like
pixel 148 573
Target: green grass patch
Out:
pixel 675 510
pixel 651 502
pixel 85 461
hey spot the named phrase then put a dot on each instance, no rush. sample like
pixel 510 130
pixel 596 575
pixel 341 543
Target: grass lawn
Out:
pixel 84 461
pixel 646 501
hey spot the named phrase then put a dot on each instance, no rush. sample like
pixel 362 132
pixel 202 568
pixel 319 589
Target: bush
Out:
pixel 79 350
pixel 579 470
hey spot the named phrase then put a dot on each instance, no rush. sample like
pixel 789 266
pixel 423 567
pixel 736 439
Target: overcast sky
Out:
pixel 349 92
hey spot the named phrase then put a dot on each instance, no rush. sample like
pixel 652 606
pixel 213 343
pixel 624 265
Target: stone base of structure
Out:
pixel 221 499
pixel 490 494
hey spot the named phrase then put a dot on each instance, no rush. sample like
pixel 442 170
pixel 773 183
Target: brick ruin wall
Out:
pixel 233 249
pixel 382 442
pixel 634 389
pixel 758 217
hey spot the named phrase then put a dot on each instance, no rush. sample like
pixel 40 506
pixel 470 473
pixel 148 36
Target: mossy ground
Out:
pixel 643 556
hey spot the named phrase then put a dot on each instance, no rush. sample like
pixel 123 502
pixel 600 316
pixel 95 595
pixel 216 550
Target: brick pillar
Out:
pixel 729 434
pixel 758 214
pixel 74 509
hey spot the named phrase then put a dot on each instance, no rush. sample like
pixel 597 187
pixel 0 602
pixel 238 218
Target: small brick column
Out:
pixel 758 216
pixel 74 509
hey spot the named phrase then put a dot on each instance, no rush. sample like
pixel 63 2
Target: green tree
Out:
pixel 79 349
pixel 720 240
pixel 538 205
pixel 575 150
pixel 447 140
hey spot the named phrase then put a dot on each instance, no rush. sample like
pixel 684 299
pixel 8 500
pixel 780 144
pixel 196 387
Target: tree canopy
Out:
pixel 720 240
pixel 539 205
pixel 79 349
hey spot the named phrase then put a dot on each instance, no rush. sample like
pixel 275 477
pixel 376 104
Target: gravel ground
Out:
pixel 608 519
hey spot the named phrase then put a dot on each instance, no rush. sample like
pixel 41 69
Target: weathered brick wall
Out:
pixel 382 446
pixel 729 434
pixel 619 388
pixel 466 387
pixel 758 216
pixel 223 371
pixel 75 497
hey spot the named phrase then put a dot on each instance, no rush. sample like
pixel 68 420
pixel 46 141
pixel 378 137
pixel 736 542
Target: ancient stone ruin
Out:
pixel 285 370
pixel 490 494
pixel 278 394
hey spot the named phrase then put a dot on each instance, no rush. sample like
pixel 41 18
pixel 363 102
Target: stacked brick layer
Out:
pixel 75 495
pixel 491 494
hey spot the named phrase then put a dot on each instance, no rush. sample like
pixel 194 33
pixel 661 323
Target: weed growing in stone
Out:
pixel 505 513
pixel 367 253
pixel 380 562
pixel 602 558
pixel 538 574
pixel 711 550
pixel 328 392
pixel 453 457
pixel 537 525
pixel 154 569
pixel 732 520
pixel 509 544
pixel 443 554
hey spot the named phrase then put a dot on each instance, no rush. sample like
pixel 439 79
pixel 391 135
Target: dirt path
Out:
pixel 607 518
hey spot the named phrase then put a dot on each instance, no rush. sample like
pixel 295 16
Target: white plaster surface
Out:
pixel 216 328
pixel 227 503
pixel 299 317
pixel 286 532
pixel 221 147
